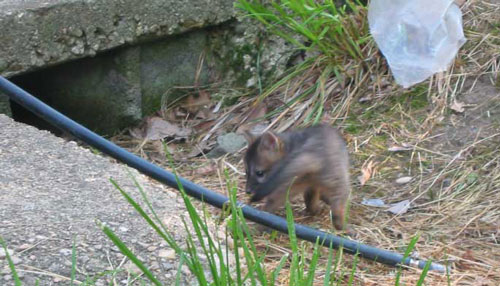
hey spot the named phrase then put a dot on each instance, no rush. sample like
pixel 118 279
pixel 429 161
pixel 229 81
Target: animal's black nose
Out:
pixel 248 191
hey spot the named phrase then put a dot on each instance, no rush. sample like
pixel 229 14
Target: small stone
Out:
pixel 152 248
pixel 167 253
pixel 23 246
pixel 7 277
pixel 154 265
pixel 2 252
pixel 403 180
pixel 131 267
pixel 228 143
pixel 123 229
pixel 77 32
pixel 446 183
pixel 168 266
pixel 185 270
pixel 16 260
pixel 65 251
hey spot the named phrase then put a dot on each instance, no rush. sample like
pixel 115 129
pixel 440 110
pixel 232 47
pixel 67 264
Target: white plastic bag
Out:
pixel 417 37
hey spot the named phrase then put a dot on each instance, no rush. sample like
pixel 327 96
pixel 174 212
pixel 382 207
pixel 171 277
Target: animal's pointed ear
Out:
pixel 270 142
pixel 249 136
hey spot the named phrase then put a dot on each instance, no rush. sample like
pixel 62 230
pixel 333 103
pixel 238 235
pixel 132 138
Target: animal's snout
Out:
pixel 248 191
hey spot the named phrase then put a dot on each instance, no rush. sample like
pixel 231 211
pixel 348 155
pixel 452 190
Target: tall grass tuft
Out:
pixel 249 267
pixel 336 43
pixel 334 31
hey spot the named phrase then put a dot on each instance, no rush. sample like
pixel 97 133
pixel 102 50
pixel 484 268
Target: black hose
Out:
pixel 270 220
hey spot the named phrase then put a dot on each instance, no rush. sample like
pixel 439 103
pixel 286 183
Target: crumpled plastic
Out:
pixel 417 37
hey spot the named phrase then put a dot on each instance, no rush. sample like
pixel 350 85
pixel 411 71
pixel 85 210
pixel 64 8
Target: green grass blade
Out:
pixel 408 250
pixel 328 268
pixel 127 252
pixel 295 274
pixel 420 281
pixel 241 233
pixel 73 261
pixel 353 270
pixel 338 261
pixel 196 266
pixel 167 237
pixel 277 270
pixel 313 264
pixel 17 281
pixel 179 271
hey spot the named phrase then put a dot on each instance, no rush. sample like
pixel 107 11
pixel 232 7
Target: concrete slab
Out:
pixel 42 33
pixel 52 190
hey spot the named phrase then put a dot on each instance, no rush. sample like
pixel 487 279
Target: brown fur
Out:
pixel 315 159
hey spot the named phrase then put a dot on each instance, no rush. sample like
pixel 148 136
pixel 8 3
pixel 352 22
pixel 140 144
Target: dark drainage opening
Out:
pixel 34 84
pixel 102 92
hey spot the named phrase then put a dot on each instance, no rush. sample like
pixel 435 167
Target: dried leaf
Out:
pixel 373 202
pixel 366 172
pixel 469 255
pixel 194 102
pixel 399 208
pixel 458 106
pixel 199 149
pixel 365 98
pixel 206 170
pixel 157 128
pixel 403 180
pixel 203 126
pixel 137 133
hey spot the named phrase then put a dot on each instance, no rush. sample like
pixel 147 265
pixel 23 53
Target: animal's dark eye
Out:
pixel 259 173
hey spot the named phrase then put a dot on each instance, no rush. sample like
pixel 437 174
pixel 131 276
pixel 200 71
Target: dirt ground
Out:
pixel 435 145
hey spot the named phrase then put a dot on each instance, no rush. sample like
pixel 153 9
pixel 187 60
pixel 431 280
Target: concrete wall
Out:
pixel 108 63
pixel 41 33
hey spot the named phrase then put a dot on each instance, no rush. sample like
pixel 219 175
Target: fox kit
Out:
pixel 313 161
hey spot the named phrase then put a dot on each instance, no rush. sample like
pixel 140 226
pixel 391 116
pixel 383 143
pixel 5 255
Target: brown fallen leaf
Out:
pixel 156 128
pixel 206 170
pixel 137 133
pixel 204 126
pixel 367 171
pixel 199 149
pixel 457 106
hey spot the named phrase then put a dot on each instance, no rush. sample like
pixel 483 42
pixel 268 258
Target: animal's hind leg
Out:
pixel 311 198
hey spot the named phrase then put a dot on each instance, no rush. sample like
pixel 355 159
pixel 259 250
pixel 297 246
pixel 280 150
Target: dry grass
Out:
pixel 452 157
